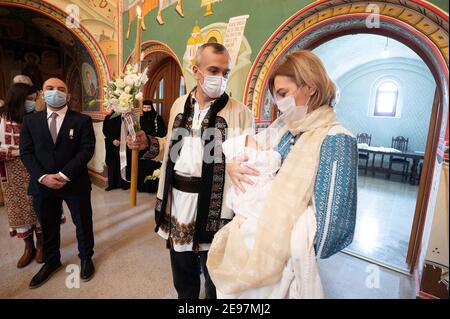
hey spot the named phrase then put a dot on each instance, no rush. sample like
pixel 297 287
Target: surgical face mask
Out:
pixel 214 85
pixel 30 106
pixel 55 98
pixel 289 108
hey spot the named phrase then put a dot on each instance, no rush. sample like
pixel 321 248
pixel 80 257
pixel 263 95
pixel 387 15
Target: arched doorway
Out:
pixel 166 80
pixel 417 24
pixel 165 85
pixel 40 39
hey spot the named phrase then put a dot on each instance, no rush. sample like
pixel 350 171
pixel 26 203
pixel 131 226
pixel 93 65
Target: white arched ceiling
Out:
pixel 345 53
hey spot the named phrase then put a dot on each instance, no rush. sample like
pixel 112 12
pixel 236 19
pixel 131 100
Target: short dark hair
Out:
pixel 216 47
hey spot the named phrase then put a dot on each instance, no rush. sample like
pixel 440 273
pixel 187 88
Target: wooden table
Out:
pixel 416 157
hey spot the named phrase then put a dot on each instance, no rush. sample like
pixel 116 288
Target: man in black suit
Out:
pixel 55 147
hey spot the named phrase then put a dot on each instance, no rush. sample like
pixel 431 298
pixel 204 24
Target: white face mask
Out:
pixel 214 85
pixel 288 107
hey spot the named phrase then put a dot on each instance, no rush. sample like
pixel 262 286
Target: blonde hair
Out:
pixel 305 68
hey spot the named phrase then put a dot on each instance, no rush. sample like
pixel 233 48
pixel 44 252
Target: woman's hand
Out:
pixel 238 173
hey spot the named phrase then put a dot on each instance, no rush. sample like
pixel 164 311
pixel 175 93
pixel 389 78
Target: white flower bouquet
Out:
pixel 122 96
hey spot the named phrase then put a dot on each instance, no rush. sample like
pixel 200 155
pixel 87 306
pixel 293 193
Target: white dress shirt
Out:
pixel 59 120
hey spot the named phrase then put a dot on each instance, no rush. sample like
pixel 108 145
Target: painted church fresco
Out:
pixel 59 49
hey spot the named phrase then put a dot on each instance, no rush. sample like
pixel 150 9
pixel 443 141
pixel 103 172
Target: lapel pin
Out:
pixel 71 134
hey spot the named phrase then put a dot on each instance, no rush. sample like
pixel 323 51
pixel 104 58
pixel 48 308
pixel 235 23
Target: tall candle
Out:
pixel 135 152
pixel 137 53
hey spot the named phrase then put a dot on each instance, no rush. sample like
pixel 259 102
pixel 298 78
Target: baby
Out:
pixel 250 204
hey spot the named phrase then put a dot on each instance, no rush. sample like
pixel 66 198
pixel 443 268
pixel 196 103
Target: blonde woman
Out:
pixel 310 210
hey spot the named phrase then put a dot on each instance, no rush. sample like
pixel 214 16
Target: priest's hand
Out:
pixel 238 173
pixel 141 142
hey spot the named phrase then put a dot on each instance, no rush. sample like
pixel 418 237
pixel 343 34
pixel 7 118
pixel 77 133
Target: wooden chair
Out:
pixel 419 173
pixel 364 138
pixel 400 143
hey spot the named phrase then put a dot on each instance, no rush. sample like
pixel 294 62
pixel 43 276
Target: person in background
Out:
pixel 39 101
pixel 153 125
pixel 22 218
pixel 20 78
pixel 111 131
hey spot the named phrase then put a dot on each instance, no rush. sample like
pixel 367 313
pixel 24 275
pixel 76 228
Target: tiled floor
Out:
pixel 384 219
pixel 132 261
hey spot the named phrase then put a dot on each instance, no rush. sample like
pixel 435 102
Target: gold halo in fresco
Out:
pixel 214 36
pixel 55 30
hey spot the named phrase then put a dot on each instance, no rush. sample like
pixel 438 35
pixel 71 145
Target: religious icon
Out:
pixel 89 80
pixel 32 68
pixel 90 87
pixel 146 6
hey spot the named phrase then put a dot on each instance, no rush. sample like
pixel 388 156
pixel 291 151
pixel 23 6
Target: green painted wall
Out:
pixel 265 17
pixel 443 4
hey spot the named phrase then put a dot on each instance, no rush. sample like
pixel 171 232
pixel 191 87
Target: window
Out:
pixel 182 86
pixel 386 99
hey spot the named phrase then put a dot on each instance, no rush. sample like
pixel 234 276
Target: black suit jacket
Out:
pixel 74 148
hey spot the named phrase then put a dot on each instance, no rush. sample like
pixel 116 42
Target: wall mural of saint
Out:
pixel 149 5
pixel 90 88
pixel 166 3
pixel 32 69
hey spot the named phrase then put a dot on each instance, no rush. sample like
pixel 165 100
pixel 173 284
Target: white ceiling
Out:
pixel 342 54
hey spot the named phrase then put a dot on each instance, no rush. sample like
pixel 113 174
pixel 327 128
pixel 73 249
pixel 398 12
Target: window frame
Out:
pixel 372 107
pixel 393 113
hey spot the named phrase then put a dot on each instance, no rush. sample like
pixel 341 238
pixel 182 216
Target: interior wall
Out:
pixel 416 93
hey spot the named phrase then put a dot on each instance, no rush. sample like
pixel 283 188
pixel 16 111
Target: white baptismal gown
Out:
pixel 300 278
